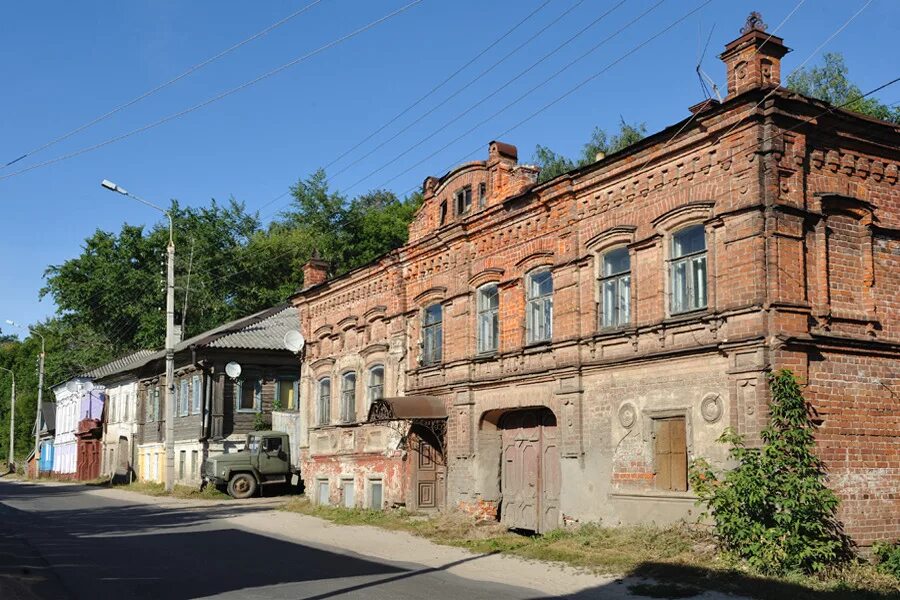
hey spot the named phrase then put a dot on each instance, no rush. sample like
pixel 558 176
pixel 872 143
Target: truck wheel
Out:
pixel 242 485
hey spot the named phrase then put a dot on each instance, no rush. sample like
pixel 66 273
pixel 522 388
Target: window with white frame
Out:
pixel 539 307
pixel 323 401
pixel 286 392
pixel 432 334
pixel 196 390
pixel 126 410
pixel 615 288
pixel 687 270
pixel 348 397
pixel 375 385
pixel 185 397
pixel 157 394
pixel 487 308
pixel 248 395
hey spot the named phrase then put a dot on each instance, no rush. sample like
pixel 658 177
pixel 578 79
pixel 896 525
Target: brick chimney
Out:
pixel 754 59
pixel 315 271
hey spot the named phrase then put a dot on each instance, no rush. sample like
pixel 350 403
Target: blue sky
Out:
pixel 64 63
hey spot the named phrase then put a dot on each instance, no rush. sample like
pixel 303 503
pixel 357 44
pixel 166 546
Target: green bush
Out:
pixel 888 557
pixel 773 509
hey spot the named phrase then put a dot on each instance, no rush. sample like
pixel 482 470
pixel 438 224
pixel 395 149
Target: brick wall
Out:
pixel 802 259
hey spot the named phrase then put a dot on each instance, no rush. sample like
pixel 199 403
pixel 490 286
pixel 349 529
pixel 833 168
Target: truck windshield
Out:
pixel 253 444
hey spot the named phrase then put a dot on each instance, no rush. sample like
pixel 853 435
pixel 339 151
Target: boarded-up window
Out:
pixel 671 454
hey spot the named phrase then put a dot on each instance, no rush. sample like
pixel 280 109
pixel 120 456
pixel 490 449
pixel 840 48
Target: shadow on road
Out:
pixel 131 550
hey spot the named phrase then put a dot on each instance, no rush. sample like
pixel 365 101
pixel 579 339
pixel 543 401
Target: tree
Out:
pixel 114 287
pixel 773 509
pixel 553 164
pixel 830 83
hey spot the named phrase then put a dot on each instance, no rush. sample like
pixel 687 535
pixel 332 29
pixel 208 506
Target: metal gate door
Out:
pixel 530 471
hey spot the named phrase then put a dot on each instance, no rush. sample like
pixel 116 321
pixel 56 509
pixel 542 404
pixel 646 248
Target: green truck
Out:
pixel 264 460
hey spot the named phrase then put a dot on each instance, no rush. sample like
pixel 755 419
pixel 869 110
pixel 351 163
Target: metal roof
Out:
pixel 408 407
pixel 263 330
pixel 120 365
pixel 267 334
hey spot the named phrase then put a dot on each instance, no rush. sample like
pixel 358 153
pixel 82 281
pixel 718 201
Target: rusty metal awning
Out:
pixel 407 408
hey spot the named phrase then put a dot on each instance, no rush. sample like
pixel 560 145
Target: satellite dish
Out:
pixel 233 370
pixel 294 341
pixel 87 386
pixel 72 386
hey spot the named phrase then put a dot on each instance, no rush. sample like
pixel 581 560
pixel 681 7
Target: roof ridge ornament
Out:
pixel 754 23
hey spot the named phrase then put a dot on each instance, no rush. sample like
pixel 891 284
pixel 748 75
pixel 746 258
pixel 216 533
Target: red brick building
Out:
pixel 586 337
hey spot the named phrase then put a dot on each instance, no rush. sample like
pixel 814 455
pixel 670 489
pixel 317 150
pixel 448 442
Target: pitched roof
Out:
pixel 48 410
pixel 263 330
pixel 267 334
pixel 120 365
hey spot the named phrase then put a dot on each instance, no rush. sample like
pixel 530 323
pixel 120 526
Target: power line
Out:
pixel 444 82
pixel 755 51
pixel 521 74
pixel 164 85
pixel 216 98
pixel 773 136
pixel 559 98
pixel 480 75
pixel 437 87
pixel 806 60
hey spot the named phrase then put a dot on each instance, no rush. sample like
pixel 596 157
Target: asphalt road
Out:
pixel 63 542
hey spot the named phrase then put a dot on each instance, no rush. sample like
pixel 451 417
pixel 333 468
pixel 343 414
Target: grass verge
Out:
pixel 149 488
pixel 683 557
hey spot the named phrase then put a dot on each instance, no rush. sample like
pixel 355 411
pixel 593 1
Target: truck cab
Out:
pixel 264 460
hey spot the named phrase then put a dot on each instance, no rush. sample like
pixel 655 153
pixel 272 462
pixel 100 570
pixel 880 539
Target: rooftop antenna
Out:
pixel 701 74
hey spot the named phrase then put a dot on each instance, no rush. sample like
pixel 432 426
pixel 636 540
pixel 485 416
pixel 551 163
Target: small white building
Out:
pixel 68 407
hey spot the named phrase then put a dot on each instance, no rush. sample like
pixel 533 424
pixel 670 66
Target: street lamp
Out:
pixel 12 421
pixel 40 396
pixel 170 334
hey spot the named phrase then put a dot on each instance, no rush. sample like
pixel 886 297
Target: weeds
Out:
pixel 681 559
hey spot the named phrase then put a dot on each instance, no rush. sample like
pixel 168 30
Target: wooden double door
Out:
pixel 530 478
pixel 88 465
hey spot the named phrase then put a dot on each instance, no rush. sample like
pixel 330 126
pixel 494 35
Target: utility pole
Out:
pixel 40 395
pixel 170 334
pixel 37 421
pixel 12 422
pixel 170 360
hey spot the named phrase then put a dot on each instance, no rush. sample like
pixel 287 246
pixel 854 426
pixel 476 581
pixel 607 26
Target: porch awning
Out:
pixel 407 407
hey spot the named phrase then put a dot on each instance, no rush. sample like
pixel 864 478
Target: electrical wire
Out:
pixel 521 74
pixel 215 98
pixel 557 99
pixel 444 82
pixel 469 85
pixel 164 85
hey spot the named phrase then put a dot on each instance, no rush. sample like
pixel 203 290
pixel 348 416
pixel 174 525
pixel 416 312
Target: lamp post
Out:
pixel 12 422
pixel 40 396
pixel 170 334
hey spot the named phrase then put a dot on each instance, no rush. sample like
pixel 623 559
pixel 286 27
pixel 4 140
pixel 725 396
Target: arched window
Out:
pixel 488 304
pixel 615 288
pixel 539 307
pixel 688 270
pixel 375 389
pixel 323 400
pixel 432 334
pixel 348 397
